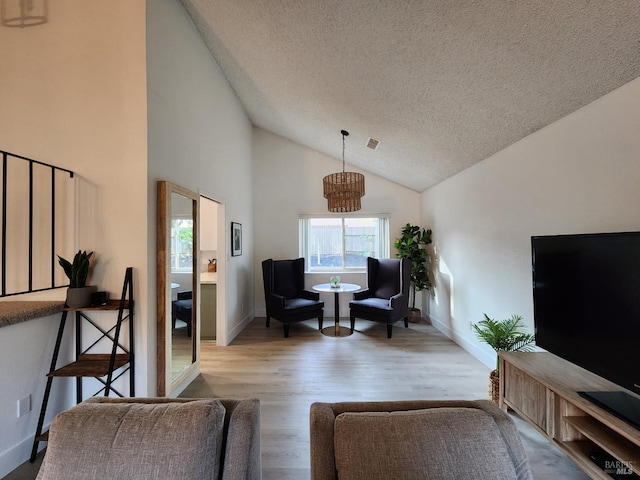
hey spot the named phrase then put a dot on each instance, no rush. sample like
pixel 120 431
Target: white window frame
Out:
pixel 174 266
pixel 383 241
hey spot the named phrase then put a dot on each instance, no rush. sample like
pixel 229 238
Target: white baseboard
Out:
pixel 18 454
pixel 470 347
pixel 235 331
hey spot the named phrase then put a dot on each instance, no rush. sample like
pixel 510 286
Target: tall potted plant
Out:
pixel 412 245
pixel 78 293
pixel 503 336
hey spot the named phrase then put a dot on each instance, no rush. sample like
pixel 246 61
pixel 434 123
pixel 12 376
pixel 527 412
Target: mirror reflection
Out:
pixel 181 279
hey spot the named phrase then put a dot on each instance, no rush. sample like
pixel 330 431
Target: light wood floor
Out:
pixel 181 347
pixel 287 375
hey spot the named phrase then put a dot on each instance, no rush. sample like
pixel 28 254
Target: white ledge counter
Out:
pixel 209 278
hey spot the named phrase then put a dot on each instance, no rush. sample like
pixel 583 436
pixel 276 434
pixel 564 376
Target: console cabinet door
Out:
pixel 526 395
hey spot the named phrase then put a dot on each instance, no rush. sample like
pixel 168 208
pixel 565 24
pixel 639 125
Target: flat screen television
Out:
pixel 586 302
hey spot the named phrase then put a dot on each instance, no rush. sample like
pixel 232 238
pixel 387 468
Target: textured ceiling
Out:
pixel 441 84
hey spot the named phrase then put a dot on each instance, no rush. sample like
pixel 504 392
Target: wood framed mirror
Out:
pixel 177 286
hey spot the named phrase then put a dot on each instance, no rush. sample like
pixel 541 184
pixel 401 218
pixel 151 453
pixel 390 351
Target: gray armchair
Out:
pixel 156 439
pixel 406 440
pixel 285 296
pixel 386 298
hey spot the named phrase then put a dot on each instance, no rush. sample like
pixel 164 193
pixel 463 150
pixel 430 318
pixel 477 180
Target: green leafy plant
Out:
pixel 504 335
pixel 411 245
pixel 77 271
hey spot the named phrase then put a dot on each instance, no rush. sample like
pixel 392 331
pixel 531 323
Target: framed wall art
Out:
pixel 236 239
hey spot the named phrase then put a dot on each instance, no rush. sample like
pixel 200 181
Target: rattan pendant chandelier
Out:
pixel 23 13
pixel 343 190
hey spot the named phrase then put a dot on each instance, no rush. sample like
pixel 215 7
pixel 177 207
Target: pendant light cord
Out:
pixel 344 134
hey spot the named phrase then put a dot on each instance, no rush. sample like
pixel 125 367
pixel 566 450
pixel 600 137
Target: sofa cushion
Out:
pixel 434 443
pixel 136 440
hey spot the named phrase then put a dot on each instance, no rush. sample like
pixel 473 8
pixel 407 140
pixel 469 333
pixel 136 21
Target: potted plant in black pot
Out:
pixel 503 336
pixel 78 293
pixel 412 245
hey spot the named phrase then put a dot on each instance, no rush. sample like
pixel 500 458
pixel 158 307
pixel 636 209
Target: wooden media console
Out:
pixel 543 389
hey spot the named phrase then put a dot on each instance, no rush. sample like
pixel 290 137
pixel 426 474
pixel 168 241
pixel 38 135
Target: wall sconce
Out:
pixel 24 13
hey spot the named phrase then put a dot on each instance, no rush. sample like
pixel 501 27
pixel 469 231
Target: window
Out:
pixel 181 244
pixel 343 244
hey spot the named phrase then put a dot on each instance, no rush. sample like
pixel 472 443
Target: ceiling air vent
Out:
pixel 372 143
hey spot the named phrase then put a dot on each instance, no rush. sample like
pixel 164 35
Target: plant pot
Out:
pixel 79 297
pixel 494 387
pixel 415 315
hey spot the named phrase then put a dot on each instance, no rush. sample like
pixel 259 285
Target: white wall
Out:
pixel 578 175
pixel 287 183
pixel 73 94
pixel 208 229
pixel 26 350
pixel 200 139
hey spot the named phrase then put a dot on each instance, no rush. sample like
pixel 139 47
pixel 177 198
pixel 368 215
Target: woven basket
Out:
pixel 494 387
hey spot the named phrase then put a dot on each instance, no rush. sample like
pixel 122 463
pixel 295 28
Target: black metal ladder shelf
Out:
pixel 104 367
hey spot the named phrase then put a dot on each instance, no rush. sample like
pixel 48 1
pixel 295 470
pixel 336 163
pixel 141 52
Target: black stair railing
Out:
pixel 7 228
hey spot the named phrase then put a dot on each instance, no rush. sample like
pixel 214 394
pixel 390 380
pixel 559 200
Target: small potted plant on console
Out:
pixel 78 293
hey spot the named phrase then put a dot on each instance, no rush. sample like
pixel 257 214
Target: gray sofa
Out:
pixel 155 438
pixel 409 440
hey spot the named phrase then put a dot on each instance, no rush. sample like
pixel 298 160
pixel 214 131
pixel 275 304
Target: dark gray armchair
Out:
pixel 182 309
pixel 386 298
pixel 285 297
